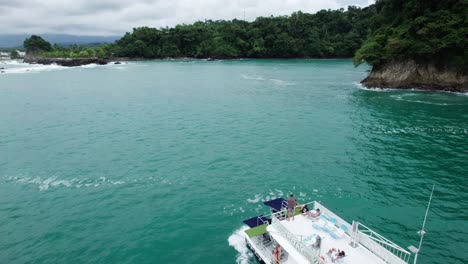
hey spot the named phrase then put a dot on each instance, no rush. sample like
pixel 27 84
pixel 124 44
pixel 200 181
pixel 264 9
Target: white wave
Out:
pixel 378 89
pixel 315 190
pixel 462 94
pixel 279 193
pixel 257 198
pixel 29 68
pixel 45 184
pixel 118 63
pixel 401 97
pixel 427 102
pixel 280 82
pixel 118 182
pixel 237 241
pixel 302 194
pixel 90 66
pixel 374 89
pixel 11 62
pixel 61 182
pixel 253 77
pixel 16 67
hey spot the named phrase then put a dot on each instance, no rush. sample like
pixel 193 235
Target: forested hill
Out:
pixel 421 30
pixel 326 34
pixel 418 44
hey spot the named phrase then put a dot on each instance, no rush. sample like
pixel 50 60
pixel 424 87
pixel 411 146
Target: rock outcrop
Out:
pixel 68 62
pixel 410 74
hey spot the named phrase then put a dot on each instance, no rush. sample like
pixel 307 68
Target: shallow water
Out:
pixel 154 162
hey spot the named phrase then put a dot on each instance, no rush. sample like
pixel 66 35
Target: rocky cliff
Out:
pixel 410 74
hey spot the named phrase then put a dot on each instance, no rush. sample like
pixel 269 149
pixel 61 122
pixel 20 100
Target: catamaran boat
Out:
pixel 317 238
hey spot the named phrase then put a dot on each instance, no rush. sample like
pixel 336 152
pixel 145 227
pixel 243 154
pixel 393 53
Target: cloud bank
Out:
pixel 110 17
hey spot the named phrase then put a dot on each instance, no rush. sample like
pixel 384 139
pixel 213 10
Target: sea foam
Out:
pixel 44 184
pixel 237 241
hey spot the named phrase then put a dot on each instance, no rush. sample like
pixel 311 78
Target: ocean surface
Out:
pixel 160 161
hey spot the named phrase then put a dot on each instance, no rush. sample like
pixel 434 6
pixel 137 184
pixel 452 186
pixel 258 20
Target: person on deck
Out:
pixel 316 214
pixel 336 254
pixel 291 204
pixel 277 254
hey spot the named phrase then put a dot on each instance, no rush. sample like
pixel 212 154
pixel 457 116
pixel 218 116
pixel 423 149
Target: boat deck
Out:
pixel 302 228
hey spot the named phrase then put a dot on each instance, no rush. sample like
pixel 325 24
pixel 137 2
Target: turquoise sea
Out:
pixel 160 161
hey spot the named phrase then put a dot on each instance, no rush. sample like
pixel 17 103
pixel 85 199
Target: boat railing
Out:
pixel 379 245
pixel 267 253
pixel 307 252
pixel 373 241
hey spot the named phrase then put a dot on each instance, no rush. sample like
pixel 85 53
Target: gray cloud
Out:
pixel 107 17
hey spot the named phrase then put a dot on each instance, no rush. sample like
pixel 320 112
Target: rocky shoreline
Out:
pixel 67 62
pixel 412 75
pixel 398 75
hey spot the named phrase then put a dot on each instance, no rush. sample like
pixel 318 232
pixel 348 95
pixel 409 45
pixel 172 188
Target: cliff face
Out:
pixel 409 74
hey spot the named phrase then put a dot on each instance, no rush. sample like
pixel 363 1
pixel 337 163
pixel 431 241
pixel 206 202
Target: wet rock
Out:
pixel 412 75
pixel 67 62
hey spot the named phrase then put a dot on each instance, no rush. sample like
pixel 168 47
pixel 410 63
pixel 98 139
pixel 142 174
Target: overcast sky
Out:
pixel 115 17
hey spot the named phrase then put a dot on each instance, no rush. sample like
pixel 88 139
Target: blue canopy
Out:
pixel 277 204
pixel 256 221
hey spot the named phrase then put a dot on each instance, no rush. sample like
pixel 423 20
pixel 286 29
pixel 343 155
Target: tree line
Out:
pixel 421 30
pixel 325 34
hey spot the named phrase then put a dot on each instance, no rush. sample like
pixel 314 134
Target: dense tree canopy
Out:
pixel 423 30
pixel 328 33
pixel 36 44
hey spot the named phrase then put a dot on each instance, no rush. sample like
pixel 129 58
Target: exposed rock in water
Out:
pixel 68 62
pixel 409 75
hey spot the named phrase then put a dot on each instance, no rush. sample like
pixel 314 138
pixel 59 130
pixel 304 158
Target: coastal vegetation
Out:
pixel 408 43
pixel 417 44
pixel 36 44
pixel 326 34
pixel 417 29
pixel 14 54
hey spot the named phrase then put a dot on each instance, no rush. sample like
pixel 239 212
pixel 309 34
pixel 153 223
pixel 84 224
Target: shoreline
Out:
pixel 368 82
pixel 418 87
pixel 71 62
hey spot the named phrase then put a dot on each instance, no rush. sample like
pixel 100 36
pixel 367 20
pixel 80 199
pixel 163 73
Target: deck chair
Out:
pixel 320 223
pixel 341 231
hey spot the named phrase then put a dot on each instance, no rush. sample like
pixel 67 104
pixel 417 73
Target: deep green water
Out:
pixel 158 162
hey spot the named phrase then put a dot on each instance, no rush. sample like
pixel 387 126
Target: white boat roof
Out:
pixel 297 237
pixel 301 226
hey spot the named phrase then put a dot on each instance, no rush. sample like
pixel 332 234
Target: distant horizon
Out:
pixel 16 40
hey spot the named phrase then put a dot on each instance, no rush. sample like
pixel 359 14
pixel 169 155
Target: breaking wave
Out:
pixel 374 89
pixel 19 67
